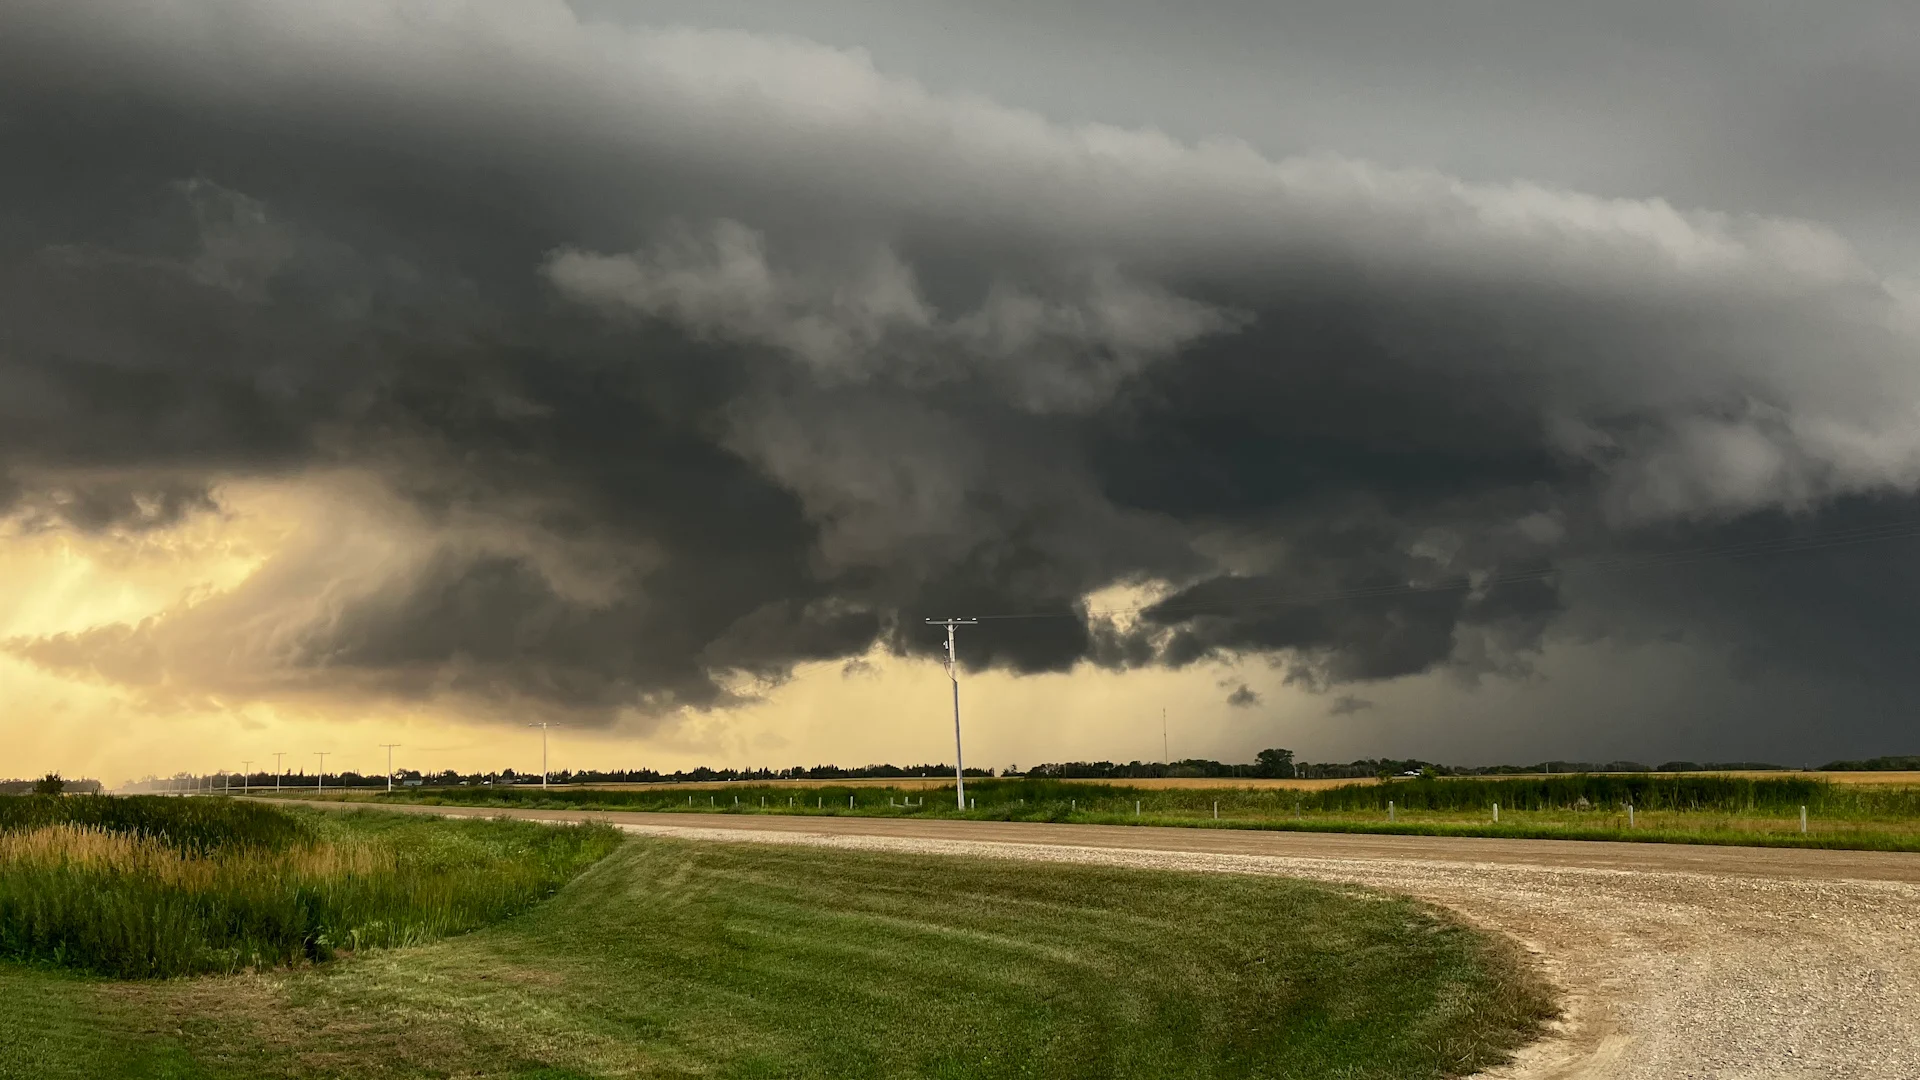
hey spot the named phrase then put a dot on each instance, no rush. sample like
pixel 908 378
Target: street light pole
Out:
pixel 389 746
pixel 320 781
pixel 278 769
pixel 247 764
pixel 953 673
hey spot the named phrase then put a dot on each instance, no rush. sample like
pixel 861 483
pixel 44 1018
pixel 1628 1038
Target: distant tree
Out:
pixel 50 784
pixel 1274 764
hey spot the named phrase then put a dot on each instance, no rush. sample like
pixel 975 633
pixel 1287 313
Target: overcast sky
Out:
pixel 1476 381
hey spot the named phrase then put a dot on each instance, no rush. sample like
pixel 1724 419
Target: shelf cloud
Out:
pixel 626 360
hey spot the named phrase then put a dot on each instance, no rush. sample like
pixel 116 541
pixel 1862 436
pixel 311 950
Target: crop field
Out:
pixel 1896 778
pixel 1663 808
pixel 670 958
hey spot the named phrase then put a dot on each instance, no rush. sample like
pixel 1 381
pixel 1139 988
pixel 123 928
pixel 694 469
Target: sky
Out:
pixel 1479 382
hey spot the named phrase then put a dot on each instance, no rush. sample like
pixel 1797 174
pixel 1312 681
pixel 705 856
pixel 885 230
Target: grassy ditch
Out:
pixel 1698 809
pixel 151 886
pixel 677 959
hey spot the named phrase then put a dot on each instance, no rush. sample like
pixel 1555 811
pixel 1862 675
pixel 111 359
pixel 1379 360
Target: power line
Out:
pixel 543 726
pixel 389 746
pixel 953 673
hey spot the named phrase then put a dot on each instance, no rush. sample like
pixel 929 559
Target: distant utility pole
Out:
pixel 247 764
pixel 320 781
pixel 278 771
pixel 543 725
pixel 1165 754
pixel 953 673
pixel 389 746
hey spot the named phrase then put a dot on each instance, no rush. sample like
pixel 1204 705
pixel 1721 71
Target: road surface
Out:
pixel 1673 961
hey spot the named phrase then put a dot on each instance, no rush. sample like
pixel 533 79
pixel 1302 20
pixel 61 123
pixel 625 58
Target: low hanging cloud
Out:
pixel 677 354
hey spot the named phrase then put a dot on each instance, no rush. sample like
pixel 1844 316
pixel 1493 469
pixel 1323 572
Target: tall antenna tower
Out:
pixel 953 673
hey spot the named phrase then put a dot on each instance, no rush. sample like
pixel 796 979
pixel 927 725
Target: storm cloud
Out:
pixel 662 358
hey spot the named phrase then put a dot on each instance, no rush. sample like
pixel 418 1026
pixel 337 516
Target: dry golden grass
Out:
pixel 93 849
pixel 139 903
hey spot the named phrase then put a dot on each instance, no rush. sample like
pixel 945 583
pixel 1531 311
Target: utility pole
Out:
pixel 320 781
pixel 1165 754
pixel 389 746
pixel 278 771
pixel 543 725
pixel 247 764
pixel 953 673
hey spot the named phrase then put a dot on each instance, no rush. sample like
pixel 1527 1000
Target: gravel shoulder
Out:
pixel 1674 962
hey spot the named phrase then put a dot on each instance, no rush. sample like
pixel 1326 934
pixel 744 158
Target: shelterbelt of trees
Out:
pixel 1268 764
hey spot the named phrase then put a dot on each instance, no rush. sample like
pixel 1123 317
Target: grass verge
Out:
pixel 679 959
pixel 151 886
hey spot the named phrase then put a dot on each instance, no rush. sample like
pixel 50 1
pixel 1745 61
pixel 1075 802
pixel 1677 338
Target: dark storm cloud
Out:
pixel 1348 704
pixel 691 355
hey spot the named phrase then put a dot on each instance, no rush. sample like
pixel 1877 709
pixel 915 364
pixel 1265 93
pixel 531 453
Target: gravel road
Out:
pixel 1674 962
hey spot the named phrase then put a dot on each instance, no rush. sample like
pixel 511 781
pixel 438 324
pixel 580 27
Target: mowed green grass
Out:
pixel 680 959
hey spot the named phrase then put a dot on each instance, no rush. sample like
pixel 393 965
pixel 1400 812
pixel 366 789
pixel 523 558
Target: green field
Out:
pixel 151 886
pixel 678 959
pixel 1677 809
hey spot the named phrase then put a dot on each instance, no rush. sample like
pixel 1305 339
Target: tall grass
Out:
pixel 197 825
pixel 166 893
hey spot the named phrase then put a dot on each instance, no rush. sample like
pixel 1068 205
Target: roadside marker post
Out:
pixel 1629 815
pixel 1136 808
pixel 1390 816
pixel 1803 821
pixel 1496 813
pixel 1216 809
